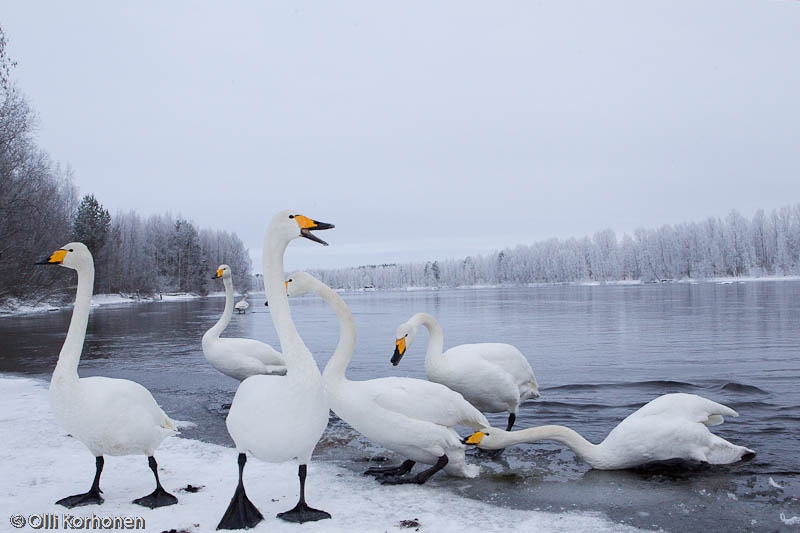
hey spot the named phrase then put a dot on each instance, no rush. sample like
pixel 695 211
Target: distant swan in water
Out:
pixel 412 417
pixel 494 377
pixel 236 357
pixel 671 427
pixel 109 416
pixel 242 305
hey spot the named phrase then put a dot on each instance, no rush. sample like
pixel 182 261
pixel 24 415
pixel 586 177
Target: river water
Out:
pixel 599 353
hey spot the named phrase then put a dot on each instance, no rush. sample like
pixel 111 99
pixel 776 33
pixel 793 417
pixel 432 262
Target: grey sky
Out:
pixel 421 129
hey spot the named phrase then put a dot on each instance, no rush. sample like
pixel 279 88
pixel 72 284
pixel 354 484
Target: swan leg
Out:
pixel 91 497
pixel 420 478
pixel 511 419
pixel 302 512
pixel 159 497
pixel 241 513
pixel 404 468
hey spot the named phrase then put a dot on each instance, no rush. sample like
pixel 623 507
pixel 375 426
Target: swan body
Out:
pixel 236 357
pixel 242 305
pixel 411 417
pixel 670 427
pixel 109 416
pixel 494 377
pixel 279 418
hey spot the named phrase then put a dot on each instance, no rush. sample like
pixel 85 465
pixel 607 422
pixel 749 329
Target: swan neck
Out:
pixel 68 359
pixel 433 356
pixel 588 452
pixel 227 313
pixel 275 287
pixel 335 369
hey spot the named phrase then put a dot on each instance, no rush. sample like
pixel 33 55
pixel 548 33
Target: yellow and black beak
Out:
pixel 399 350
pixel 218 274
pixel 56 258
pixel 475 438
pixel 308 225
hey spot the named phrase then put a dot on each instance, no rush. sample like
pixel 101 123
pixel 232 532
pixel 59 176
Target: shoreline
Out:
pixel 99 300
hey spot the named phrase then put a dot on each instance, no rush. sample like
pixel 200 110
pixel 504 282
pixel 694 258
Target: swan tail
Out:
pixel 723 452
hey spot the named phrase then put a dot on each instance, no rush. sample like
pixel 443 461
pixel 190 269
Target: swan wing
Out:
pixel 425 400
pixel 498 358
pixel 689 407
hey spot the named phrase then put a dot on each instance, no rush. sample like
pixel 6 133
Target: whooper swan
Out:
pixel 279 418
pixel 109 416
pixel 412 417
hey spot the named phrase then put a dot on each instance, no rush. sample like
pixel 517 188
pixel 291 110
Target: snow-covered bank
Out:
pixel 14 307
pixel 42 464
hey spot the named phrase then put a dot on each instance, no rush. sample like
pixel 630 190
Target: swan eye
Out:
pixel 291 216
pixel 70 250
pixel 406 335
pixel 290 280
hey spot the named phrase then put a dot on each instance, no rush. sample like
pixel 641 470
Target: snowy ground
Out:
pixel 42 464
pixel 15 308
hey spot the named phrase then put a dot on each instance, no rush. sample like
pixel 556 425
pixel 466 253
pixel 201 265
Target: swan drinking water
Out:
pixel 411 417
pixel 670 427
pixel 109 416
pixel 279 418
pixel 493 377
pixel 235 357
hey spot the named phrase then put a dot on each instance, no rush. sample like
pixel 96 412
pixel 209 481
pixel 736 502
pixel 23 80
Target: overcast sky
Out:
pixel 422 130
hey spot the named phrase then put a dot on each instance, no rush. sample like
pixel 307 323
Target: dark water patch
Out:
pixel 660 385
pixel 742 388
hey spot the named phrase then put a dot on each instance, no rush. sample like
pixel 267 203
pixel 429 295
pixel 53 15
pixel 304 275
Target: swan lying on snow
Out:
pixel 279 418
pixel 493 377
pixel 109 416
pixel 234 357
pixel 411 417
pixel 673 426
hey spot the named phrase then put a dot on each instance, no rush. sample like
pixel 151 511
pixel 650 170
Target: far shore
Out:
pixel 15 308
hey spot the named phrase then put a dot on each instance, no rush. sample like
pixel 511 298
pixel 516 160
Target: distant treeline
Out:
pixel 766 244
pixel 40 211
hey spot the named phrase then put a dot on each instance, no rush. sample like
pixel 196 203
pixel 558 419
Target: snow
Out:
pixel 42 464
pixel 15 307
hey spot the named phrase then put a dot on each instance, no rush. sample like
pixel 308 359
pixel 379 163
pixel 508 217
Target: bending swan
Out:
pixel 493 377
pixel 411 417
pixel 109 416
pixel 279 418
pixel 238 358
pixel 673 426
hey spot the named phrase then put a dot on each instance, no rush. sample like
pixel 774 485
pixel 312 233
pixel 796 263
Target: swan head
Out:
pixel 487 439
pixel 300 284
pixel 404 338
pixel 73 255
pixel 223 271
pixel 290 225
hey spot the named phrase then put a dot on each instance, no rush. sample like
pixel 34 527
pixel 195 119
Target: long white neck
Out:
pixel 335 369
pixel 217 329
pixel 433 357
pixel 593 454
pixel 67 367
pixel 292 346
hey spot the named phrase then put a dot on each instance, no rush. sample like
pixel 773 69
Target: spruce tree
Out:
pixel 92 223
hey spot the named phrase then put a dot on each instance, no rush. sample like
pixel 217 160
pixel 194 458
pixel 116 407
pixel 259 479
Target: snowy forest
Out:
pixel 40 210
pixel 764 245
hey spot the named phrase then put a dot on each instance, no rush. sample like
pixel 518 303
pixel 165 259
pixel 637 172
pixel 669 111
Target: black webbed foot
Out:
pixel 303 513
pixel 92 497
pixel 157 498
